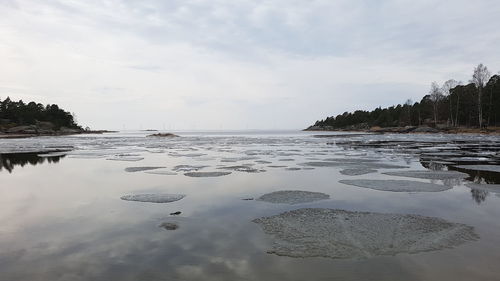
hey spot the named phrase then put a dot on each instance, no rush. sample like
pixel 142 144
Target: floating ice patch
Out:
pixel 242 168
pixel 161 172
pixel 277 166
pixel 175 154
pixel 125 158
pixel 139 169
pixel 206 174
pixel 86 156
pixel 469 159
pixel 293 197
pixel 485 168
pixel 322 164
pixel 427 174
pixel 53 154
pixel 343 234
pixel 384 166
pixel 188 168
pixel 495 188
pixel 293 169
pixel 357 171
pixel 351 160
pixel 397 185
pixel 154 198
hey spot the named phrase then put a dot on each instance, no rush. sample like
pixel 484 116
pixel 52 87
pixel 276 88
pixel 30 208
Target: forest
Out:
pixel 453 104
pixel 18 113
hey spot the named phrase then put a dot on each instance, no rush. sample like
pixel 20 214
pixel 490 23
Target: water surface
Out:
pixel 63 219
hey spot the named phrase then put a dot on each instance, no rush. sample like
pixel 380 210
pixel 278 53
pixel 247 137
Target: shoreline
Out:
pixel 405 130
pixel 56 134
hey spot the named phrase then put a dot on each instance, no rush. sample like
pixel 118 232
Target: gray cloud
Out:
pixel 235 64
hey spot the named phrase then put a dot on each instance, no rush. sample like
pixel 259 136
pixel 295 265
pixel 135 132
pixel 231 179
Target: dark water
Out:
pixel 62 217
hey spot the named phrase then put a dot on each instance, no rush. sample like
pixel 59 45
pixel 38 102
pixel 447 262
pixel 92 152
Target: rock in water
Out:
pixel 293 197
pixel 397 185
pixel 317 232
pixel 154 198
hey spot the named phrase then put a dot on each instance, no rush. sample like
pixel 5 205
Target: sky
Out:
pixel 229 64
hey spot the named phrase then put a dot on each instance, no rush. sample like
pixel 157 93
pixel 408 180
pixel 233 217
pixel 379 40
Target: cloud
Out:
pixel 236 64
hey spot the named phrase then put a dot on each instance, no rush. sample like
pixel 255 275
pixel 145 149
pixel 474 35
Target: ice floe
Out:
pixel 428 174
pixel 293 196
pixel 153 198
pixel 396 185
pixel 188 168
pixel 206 174
pixel 140 169
pixel 357 171
pixel 484 168
pixel 317 232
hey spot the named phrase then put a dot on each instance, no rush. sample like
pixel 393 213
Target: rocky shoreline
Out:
pixel 42 129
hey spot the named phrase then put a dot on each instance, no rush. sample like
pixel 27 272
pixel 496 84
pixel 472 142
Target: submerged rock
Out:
pixel 293 197
pixel 316 232
pixel 169 225
pixel 427 174
pixel 154 198
pixel 206 174
pixel 397 185
pixel 139 169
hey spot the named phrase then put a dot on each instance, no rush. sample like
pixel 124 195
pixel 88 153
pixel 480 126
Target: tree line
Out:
pixel 453 104
pixel 15 113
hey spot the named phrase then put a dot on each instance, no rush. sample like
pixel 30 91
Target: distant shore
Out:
pixel 412 130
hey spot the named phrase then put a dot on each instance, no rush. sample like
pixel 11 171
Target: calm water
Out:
pixel 62 217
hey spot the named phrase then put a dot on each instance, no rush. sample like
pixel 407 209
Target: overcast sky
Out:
pixel 229 64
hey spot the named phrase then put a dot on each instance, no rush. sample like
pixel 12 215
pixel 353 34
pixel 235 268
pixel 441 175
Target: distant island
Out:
pixel 452 107
pixel 20 119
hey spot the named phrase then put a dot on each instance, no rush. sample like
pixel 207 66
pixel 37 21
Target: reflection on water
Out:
pixel 9 160
pixel 479 195
pixel 67 221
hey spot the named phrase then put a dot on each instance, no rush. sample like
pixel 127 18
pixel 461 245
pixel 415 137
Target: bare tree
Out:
pixel 493 80
pixel 435 97
pixel 480 77
pixel 447 86
pixel 408 105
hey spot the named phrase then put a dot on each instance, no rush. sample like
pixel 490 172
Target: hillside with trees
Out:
pixel 35 118
pixel 452 105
